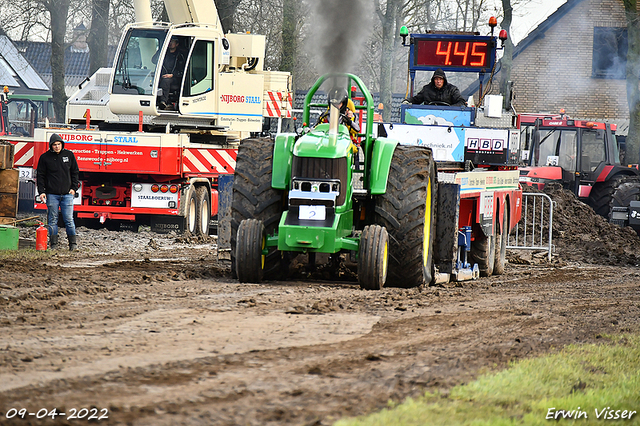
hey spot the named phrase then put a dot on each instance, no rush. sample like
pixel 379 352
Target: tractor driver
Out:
pixel 338 97
pixel 438 92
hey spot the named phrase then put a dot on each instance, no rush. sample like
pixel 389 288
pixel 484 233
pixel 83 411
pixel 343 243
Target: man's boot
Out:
pixel 53 242
pixel 73 244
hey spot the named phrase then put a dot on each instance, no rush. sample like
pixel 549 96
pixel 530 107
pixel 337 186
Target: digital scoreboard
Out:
pixel 452 52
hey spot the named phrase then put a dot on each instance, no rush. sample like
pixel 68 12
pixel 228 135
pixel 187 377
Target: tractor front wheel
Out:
pixel 407 210
pixel 373 257
pixel 250 242
pixel 254 198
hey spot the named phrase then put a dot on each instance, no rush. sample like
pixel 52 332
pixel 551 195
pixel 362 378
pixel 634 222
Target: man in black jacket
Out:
pixel 58 181
pixel 171 72
pixel 438 91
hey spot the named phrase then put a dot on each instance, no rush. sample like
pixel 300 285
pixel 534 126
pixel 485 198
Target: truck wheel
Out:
pixel 373 257
pixel 249 258
pixel 254 198
pixel 203 212
pixel 501 243
pixel 483 252
pixel 601 194
pixel 191 213
pixel 407 210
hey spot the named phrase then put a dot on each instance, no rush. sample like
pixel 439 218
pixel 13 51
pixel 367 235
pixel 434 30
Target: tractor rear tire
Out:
pixel 203 213
pixel 601 194
pixel 502 236
pixel 373 257
pixel 249 258
pixel 254 198
pixel 627 191
pixel 483 252
pixel 407 210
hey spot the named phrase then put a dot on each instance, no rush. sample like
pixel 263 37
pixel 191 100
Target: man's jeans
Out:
pixel 65 204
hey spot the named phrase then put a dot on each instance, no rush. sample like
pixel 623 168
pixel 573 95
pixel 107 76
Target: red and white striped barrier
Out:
pixel 23 154
pixel 209 160
pixel 279 104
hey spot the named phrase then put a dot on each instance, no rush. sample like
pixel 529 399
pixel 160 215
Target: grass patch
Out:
pixel 25 254
pixel 583 378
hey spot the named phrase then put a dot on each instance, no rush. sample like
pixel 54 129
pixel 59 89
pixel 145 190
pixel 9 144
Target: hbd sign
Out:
pixel 481 144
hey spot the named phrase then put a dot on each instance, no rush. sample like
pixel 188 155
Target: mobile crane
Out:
pixel 140 164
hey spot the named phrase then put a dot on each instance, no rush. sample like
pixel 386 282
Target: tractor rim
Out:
pixel 263 257
pixel 385 257
pixel 427 225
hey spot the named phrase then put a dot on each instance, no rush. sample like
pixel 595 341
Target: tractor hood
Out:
pixel 539 176
pixel 320 143
pixel 546 172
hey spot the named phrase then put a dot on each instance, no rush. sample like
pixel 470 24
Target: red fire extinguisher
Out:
pixel 41 237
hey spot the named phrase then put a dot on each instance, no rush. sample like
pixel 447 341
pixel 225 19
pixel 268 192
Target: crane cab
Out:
pixel 222 85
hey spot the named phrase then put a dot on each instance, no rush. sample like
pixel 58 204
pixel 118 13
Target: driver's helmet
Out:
pixel 338 97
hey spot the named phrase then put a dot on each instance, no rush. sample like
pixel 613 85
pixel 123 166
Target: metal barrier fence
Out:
pixel 534 231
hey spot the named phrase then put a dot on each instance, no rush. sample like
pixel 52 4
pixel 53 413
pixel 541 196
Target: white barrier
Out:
pixel 535 229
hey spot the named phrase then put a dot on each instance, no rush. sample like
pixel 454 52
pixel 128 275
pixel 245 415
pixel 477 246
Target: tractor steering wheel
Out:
pixel 349 122
pixel 439 103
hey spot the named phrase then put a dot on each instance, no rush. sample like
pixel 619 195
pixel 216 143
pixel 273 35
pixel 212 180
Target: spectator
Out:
pixel 58 181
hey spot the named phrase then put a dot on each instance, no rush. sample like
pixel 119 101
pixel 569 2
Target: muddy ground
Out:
pixel 151 329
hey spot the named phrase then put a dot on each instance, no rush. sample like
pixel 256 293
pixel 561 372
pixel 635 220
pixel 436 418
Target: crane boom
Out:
pixel 193 12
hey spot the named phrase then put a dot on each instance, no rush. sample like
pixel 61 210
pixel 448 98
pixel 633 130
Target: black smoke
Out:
pixel 340 29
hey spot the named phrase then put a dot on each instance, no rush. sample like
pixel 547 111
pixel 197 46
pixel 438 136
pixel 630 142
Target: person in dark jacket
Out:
pixel 58 180
pixel 438 91
pixel 171 72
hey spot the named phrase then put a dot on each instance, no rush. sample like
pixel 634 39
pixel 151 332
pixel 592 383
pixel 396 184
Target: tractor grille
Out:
pixel 322 168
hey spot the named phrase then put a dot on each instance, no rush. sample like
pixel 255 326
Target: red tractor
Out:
pixel 582 155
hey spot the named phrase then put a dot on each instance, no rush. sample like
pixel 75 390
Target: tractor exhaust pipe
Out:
pixel 334 122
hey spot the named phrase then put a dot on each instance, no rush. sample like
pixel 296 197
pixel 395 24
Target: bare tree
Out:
pixel 389 17
pixel 58 11
pixel 98 46
pixel 507 57
pixel 226 11
pixel 632 155
pixel 24 19
pixel 289 35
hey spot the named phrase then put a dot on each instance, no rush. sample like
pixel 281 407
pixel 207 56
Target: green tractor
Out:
pixel 332 189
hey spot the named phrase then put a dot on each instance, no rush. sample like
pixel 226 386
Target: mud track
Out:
pixel 155 330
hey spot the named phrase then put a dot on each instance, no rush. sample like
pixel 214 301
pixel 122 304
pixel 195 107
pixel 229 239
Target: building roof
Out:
pixel 76 62
pixel 540 30
pixel 537 33
pixel 17 73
